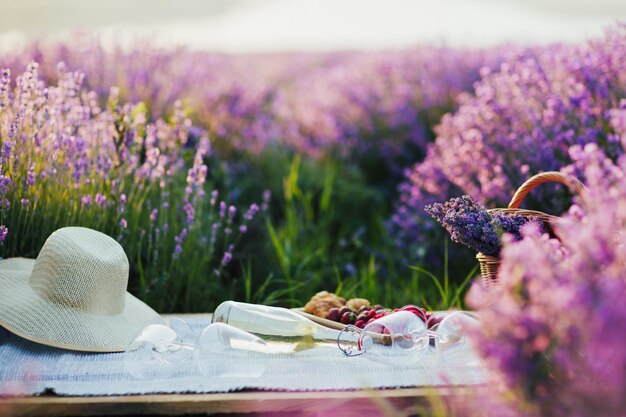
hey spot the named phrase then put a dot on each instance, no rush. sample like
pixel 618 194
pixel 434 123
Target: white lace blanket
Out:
pixel 27 368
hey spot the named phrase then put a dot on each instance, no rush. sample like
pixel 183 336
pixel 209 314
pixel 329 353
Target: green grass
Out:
pixel 317 243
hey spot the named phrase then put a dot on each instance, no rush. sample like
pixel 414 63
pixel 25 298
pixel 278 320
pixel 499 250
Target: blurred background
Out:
pixel 287 25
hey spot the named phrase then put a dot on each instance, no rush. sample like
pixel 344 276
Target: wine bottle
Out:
pixel 285 330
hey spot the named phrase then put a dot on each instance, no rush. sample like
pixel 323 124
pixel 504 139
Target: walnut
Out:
pixel 322 302
pixel 323 307
pixel 355 304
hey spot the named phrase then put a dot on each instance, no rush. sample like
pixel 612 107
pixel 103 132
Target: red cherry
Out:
pixel 348 318
pixel 434 320
pixel 333 314
pixel 418 311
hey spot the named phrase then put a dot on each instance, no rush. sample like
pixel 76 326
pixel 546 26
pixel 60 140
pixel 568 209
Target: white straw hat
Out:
pixel 73 296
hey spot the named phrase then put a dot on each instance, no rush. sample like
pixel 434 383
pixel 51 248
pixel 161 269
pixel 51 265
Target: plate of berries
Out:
pixel 336 312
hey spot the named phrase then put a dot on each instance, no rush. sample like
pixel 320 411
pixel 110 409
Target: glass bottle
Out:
pixel 286 331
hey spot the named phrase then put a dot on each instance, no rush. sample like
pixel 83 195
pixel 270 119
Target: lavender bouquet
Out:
pixel 470 224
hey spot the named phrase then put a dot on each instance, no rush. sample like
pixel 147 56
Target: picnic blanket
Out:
pixel 27 368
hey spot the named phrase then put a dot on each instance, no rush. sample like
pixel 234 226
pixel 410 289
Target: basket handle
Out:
pixel 551 176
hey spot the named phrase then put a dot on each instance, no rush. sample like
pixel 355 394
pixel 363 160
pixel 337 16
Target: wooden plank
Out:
pixel 362 403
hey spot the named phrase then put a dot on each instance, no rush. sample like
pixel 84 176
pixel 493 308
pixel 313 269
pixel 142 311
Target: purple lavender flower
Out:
pixel 181 237
pixel 31 176
pixel 226 258
pixel 86 200
pixel 154 214
pixel 506 223
pixel 252 211
pixel 5 81
pixel 267 197
pixel 243 229
pixel 214 230
pixel 100 199
pixel 232 210
pixel 5 153
pixel 123 223
pixel 190 212
pixel 5 184
pixel 13 130
pixel 222 209
pixel 4 231
pixel 25 202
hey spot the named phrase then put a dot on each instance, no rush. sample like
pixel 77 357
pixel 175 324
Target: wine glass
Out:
pixel 226 351
pixel 161 349
pixel 450 334
pixel 396 338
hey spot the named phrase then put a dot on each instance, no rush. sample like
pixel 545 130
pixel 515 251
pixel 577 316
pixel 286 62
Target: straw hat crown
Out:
pixel 82 269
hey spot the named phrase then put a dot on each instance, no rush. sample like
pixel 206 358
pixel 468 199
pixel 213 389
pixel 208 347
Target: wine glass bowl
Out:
pixel 450 334
pixel 401 330
pixel 219 339
pixel 160 349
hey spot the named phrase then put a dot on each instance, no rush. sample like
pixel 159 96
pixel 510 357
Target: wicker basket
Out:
pixel 489 264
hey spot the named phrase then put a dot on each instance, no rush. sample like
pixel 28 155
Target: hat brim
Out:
pixel 25 313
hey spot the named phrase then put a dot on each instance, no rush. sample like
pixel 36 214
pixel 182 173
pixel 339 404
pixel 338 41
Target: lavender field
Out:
pixel 263 176
pixel 268 177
